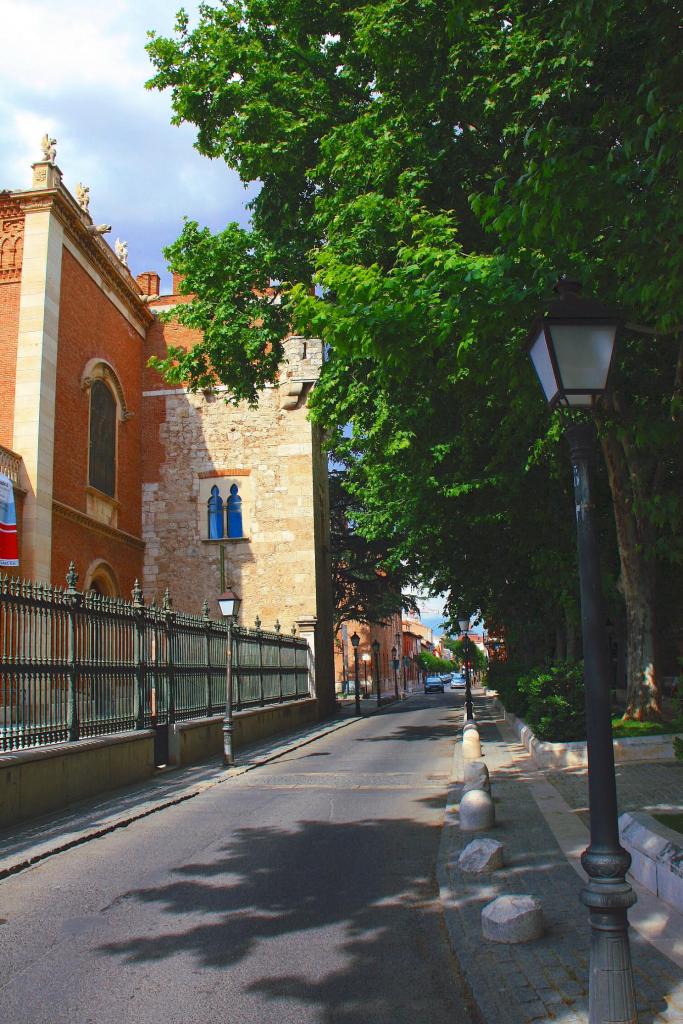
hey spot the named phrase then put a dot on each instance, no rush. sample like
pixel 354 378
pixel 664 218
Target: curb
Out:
pixel 146 808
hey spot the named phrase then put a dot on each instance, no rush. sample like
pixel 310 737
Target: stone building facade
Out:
pixel 76 333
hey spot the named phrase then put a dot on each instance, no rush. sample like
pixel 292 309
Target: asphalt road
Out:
pixel 303 891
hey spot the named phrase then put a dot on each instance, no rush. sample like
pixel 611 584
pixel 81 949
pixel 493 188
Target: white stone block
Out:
pixel 512 919
pixel 474 769
pixel 481 855
pixel 477 813
pixel 471 745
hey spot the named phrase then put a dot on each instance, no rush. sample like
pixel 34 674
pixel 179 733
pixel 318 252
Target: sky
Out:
pixel 77 70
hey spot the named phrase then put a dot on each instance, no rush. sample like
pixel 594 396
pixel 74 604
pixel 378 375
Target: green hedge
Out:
pixel 550 700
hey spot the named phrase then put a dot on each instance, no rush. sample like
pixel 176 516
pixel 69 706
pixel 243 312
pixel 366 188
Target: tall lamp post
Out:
pixel 401 663
pixel 355 640
pixel 464 629
pixel 375 650
pixel 229 604
pixel 571 347
pixel 365 659
pixel 395 663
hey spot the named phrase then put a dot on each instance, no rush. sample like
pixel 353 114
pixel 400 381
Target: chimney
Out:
pixel 149 282
pixel 177 279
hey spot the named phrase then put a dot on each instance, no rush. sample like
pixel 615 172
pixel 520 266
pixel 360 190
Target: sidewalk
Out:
pixel 28 842
pixel 543 837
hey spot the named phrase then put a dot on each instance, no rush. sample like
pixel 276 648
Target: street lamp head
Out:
pixel 464 624
pixel 393 653
pixel 229 604
pixel 375 646
pixel 571 346
pixel 355 639
pixel 366 657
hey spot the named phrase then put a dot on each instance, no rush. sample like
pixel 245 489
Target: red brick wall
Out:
pixel 91 327
pixel 71 541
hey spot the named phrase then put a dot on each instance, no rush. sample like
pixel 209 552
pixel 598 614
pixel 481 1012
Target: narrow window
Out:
pixel 102 468
pixel 215 514
pixel 234 507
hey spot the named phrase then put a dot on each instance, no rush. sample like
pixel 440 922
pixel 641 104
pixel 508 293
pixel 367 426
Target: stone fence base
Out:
pixel 45 779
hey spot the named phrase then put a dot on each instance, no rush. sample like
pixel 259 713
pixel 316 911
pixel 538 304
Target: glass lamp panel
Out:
pixel 583 353
pixel 464 625
pixel 227 605
pixel 543 366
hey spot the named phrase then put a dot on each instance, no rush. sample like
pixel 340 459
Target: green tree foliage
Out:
pixel 433 664
pixel 462 651
pixel 432 165
pixel 365 588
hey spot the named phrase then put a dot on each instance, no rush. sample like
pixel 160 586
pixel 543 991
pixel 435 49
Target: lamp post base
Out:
pixel 228 754
pixel 612 991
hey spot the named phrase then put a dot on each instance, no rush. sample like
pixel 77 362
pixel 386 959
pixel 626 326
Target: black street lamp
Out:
pixel 571 347
pixel 365 659
pixel 229 604
pixel 355 640
pixel 401 663
pixel 375 649
pixel 464 629
pixel 395 662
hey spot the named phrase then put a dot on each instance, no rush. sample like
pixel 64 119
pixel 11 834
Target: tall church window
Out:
pixel 102 463
pixel 215 514
pixel 234 507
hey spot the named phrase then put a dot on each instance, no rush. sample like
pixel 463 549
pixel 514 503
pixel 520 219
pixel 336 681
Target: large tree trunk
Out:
pixel 637 583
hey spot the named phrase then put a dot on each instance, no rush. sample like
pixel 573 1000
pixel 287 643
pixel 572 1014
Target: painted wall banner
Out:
pixel 9 544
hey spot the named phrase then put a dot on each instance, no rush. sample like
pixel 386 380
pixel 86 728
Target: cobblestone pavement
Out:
pixel 644 786
pixel 545 980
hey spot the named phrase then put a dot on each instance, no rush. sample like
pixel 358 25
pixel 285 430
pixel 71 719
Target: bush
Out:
pixel 502 678
pixel 550 700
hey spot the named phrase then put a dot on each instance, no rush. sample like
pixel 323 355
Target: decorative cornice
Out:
pixel 75 516
pixel 76 223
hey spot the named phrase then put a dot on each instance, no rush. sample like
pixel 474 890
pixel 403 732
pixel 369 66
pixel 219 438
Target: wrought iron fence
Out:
pixel 74 664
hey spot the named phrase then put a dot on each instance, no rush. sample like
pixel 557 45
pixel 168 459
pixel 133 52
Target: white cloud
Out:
pixel 78 71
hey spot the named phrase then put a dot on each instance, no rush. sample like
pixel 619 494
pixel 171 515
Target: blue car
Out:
pixel 434 683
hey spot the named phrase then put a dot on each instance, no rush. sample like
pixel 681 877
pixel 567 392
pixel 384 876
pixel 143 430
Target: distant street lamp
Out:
pixel 402 664
pixel 365 658
pixel 395 662
pixel 229 604
pixel 464 629
pixel 571 347
pixel 355 640
pixel 375 648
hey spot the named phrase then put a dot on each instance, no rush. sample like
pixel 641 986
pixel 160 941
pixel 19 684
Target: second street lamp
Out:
pixel 571 347
pixel 375 649
pixel 464 629
pixel 395 664
pixel 355 640
pixel 229 604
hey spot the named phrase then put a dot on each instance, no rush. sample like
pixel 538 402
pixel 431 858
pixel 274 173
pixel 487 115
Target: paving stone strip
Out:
pixel 547 979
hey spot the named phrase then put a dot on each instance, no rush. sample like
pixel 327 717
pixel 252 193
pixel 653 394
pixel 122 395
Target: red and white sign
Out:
pixel 9 543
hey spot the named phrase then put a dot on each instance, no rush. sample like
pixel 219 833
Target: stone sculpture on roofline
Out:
pixel 49 148
pixel 121 249
pixel 83 196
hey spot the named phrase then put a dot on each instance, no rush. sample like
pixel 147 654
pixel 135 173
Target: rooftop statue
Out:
pixel 49 148
pixel 83 196
pixel 121 249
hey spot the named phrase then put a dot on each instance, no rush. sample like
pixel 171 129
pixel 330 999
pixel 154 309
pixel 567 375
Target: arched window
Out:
pixel 102 466
pixel 215 506
pixel 234 507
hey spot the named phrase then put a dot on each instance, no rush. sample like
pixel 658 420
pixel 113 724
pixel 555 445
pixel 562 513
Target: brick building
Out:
pixel 131 478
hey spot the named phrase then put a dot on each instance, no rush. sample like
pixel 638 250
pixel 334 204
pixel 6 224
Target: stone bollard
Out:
pixel 477 813
pixel 471 724
pixel 481 783
pixel 512 919
pixel 471 745
pixel 473 769
pixel 481 856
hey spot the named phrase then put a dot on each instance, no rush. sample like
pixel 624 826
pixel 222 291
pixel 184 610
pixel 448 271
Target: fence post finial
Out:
pixel 278 627
pixel 167 603
pixel 137 594
pixel 257 622
pixel 205 609
pixel 71 578
pixel 294 629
